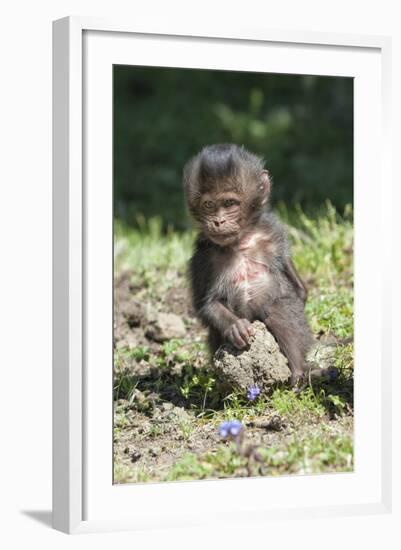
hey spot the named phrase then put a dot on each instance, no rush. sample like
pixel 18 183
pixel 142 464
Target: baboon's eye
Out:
pixel 208 205
pixel 230 202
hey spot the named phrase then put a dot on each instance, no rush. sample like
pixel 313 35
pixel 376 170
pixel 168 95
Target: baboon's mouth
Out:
pixel 223 238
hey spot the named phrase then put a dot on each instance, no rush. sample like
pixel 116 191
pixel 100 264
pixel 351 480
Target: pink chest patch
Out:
pixel 249 270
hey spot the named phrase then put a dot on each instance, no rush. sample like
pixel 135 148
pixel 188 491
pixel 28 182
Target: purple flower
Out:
pixel 235 427
pixel 224 429
pixel 230 428
pixel 253 392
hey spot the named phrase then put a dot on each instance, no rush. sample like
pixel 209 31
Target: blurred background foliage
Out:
pixel 301 125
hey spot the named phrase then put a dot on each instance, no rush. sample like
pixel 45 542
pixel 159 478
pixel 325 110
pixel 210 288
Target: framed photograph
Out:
pixel 220 344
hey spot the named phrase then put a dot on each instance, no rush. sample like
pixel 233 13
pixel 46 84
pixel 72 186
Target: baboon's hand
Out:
pixel 239 333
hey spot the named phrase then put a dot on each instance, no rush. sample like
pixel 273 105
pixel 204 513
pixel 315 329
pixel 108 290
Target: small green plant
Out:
pixel 199 384
pixel 171 347
pixel 189 467
pixel 122 472
pixel 338 403
pixel 235 405
pixel 155 430
pixel 124 385
pixel 139 353
pixel 294 406
pixel 187 429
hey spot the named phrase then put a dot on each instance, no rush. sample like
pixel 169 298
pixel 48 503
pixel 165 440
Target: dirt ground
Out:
pixel 165 411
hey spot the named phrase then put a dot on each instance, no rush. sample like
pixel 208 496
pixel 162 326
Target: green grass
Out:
pixel 125 474
pixel 322 245
pixel 155 256
pixel 324 450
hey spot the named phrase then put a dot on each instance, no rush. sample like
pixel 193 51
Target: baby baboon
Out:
pixel 241 269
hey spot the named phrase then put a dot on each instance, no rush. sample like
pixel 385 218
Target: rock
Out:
pixel 275 424
pixel 124 338
pixel 261 364
pixel 133 311
pixel 181 414
pixel 135 456
pixel 143 369
pixel 141 402
pixel 154 452
pixel 165 326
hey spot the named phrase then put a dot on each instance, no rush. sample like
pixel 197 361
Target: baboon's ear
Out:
pixel 265 185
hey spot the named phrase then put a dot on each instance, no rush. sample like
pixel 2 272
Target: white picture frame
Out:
pixel 84 50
